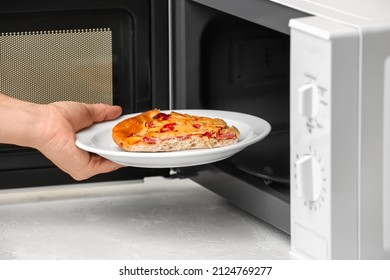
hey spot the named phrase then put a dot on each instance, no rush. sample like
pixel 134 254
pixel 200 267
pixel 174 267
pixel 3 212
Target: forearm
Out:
pixel 19 121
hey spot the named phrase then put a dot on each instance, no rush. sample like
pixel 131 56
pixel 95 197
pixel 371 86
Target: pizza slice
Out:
pixel 155 131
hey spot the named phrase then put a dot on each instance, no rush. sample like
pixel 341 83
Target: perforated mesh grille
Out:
pixel 50 66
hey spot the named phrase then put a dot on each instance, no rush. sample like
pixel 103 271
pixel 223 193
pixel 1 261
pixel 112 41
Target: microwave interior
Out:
pixel 225 59
pixel 215 58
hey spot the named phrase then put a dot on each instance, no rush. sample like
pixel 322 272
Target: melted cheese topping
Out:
pixel 176 124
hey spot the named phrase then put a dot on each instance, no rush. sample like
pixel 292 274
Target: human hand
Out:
pixel 57 141
pixel 52 128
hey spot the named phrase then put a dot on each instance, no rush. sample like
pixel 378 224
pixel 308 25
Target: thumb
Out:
pixel 96 113
pixel 104 112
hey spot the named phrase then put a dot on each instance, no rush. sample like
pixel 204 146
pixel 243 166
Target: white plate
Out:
pixel 97 139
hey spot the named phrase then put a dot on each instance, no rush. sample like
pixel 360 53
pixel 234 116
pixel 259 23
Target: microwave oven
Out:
pixel 316 70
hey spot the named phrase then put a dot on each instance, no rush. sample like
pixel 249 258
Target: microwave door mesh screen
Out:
pixel 49 66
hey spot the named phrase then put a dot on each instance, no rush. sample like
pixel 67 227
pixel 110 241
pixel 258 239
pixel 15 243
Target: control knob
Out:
pixel 308 176
pixel 309 100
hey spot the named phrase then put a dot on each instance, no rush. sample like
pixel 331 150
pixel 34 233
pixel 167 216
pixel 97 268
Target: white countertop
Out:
pixel 158 218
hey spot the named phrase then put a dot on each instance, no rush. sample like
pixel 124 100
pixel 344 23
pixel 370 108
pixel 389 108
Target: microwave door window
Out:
pixel 81 56
pixel 49 66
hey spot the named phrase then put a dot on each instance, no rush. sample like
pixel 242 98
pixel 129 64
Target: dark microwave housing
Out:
pixel 139 69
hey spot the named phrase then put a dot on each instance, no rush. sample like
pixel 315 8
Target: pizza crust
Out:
pixel 153 131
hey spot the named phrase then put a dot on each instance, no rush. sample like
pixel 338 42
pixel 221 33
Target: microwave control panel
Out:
pixel 323 123
pixel 309 164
